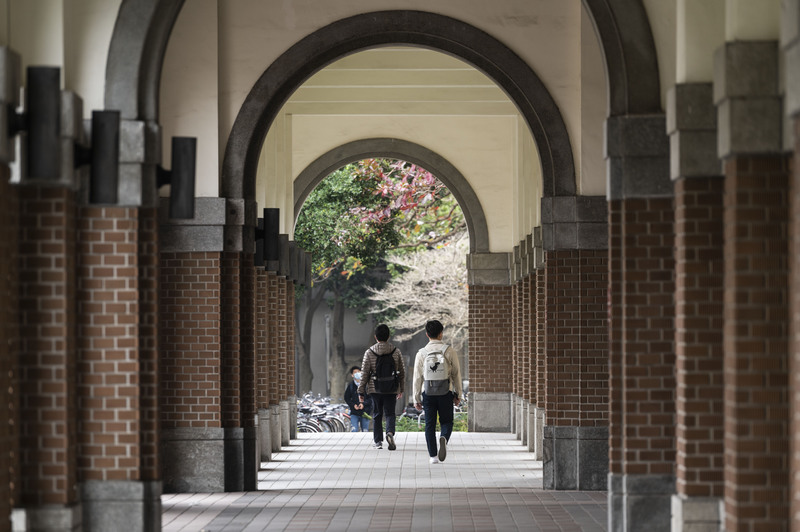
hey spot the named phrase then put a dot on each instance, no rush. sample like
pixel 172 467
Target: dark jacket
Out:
pixel 351 398
pixel 369 363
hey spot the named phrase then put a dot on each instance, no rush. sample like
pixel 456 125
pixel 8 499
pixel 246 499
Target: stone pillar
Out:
pixel 490 332
pixel 756 324
pixel 48 355
pixel 791 48
pixel 190 286
pixel 576 435
pixel 696 171
pixel 642 355
pixel 262 364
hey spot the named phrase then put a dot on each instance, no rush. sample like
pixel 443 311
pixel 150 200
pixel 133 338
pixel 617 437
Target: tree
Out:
pixel 432 285
pixel 349 223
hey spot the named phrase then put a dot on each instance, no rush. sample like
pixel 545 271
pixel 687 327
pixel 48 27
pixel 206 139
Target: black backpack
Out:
pixel 386 377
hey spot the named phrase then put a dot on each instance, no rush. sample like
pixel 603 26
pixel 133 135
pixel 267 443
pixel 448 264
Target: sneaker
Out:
pixel 442 448
pixel 378 445
pixel 390 441
pixel 434 460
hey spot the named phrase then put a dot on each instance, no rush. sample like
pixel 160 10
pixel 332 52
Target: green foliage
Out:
pixel 406 424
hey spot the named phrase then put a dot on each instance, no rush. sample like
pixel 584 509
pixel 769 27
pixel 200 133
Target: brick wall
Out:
pixel 699 272
pixel 262 339
pixel 9 345
pixel 527 337
pixel 490 331
pixel 576 284
pixel 189 339
pixel 648 363
pixel 272 339
pixel 794 337
pixel 47 409
pixel 290 355
pixel 594 337
pixel 516 348
pixel 148 342
pixel 283 338
pixel 755 343
pixel 615 315
pixel 247 339
pixel 230 330
pixel 562 285
pixel 540 369
pixel 108 353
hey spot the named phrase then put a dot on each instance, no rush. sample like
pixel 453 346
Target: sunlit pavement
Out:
pixel 337 481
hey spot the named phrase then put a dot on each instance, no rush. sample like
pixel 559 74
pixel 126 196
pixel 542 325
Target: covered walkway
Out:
pixel 332 482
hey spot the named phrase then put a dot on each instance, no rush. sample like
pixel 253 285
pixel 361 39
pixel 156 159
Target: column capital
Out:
pixel 489 269
pixel 574 222
pixel 692 130
pixel 637 156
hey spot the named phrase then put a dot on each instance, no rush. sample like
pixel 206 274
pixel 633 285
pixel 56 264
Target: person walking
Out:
pixel 437 387
pixel 383 378
pixel 359 411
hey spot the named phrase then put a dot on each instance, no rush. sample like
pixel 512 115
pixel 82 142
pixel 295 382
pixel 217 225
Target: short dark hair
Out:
pixel 434 328
pixel 354 368
pixel 382 332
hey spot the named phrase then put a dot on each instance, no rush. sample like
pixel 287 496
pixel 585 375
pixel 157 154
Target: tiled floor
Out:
pixel 336 481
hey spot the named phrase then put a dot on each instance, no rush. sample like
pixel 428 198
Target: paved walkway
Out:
pixel 337 482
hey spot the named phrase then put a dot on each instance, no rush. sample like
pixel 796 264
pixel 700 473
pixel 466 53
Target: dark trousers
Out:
pixel 384 405
pixel 441 406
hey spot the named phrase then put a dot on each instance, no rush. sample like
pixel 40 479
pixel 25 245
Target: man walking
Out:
pixel 437 387
pixel 383 377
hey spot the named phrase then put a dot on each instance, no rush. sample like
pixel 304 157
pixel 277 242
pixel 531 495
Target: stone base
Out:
pixel 293 419
pixel 252 457
pixel 616 503
pixel 234 459
pixel 538 443
pixel 285 431
pixel 697 514
pixel 192 460
pixel 523 422
pixel 490 412
pixel 531 429
pixel 264 434
pixel 275 427
pixel 46 519
pixel 515 403
pixel 646 503
pixel 575 458
pixel 121 505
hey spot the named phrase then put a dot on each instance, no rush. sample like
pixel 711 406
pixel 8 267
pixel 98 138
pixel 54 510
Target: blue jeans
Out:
pixel 383 404
pixel 441 406
pixel 358 423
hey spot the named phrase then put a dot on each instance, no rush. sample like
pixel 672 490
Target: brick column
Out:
pixel 109 371
pixel 490 342
pixel 641 329
pixel 9 347
pixel 575 446
pixel 791 48
pixel 262 364
pixel 699 266
pixel 48 420
pixel 274 360
pixel 516 347
pixel 539 366
pixel 756 324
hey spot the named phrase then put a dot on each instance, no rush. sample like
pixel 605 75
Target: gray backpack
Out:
pixel 436 371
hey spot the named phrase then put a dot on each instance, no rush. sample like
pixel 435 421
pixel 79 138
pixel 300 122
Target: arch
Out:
pixel 418 28
pixel 143 28
pixel 136 56
pixel 630 56
pixel 406 151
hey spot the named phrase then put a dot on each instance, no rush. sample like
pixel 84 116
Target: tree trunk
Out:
pixel 336 363
pixel 303 339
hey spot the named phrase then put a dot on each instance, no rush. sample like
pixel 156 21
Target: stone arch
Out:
pixel 407 151
pixel 417 28
pixel 143 27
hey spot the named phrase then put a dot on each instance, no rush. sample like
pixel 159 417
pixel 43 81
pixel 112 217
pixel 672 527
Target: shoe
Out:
pixel 390 441
pixel 442 448
pixel 378 445
pixel 434 460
